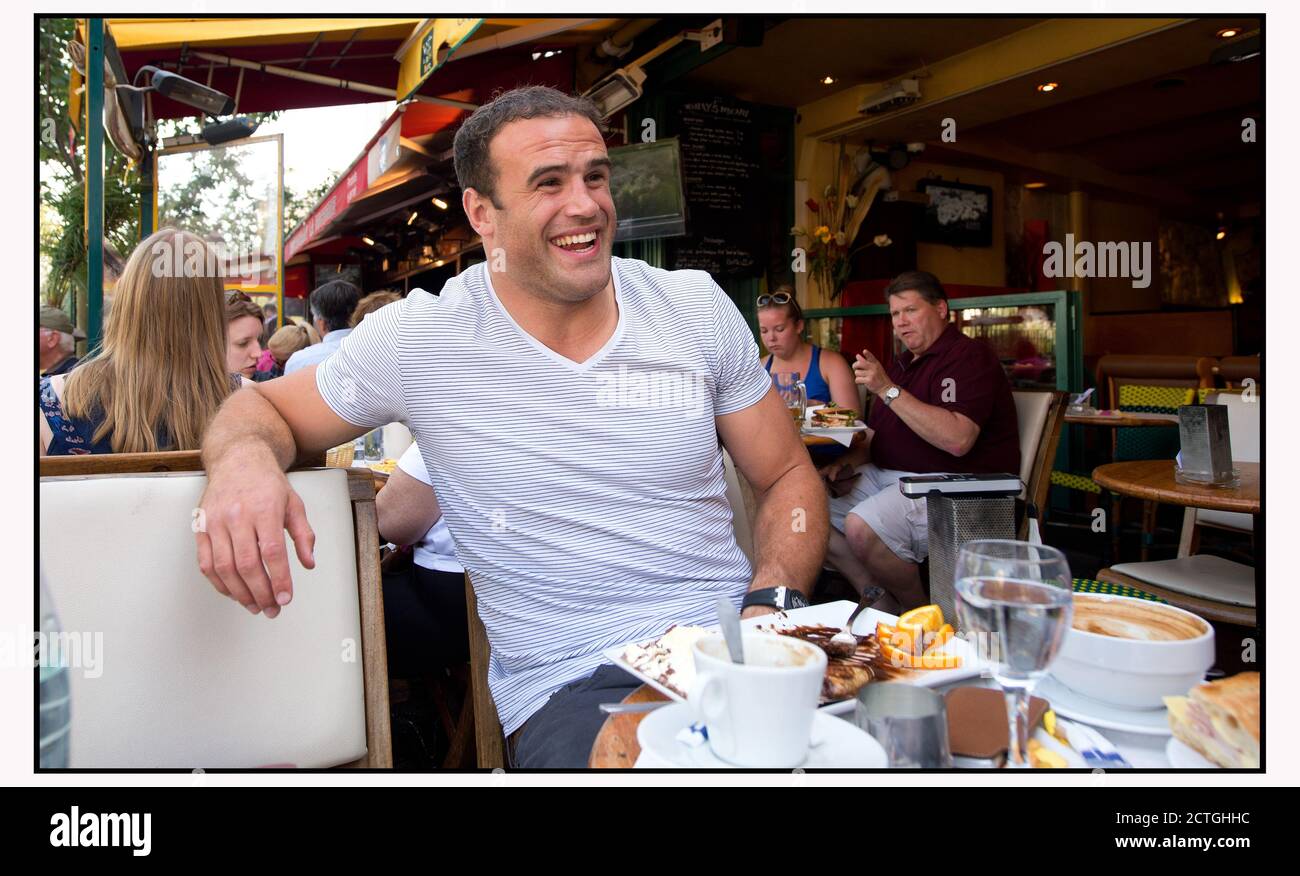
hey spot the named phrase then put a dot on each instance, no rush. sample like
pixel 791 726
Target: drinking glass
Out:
pixel 1018 595
pixel 792 392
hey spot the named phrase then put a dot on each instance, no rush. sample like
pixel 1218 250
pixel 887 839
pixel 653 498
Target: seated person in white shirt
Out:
pixel 331 307
pixel 424 604
pixel 590 507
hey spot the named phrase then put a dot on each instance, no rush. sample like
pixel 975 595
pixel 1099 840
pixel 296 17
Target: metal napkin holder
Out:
pixel 1205 455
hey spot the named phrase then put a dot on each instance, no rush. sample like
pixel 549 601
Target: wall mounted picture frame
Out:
pixel 958 214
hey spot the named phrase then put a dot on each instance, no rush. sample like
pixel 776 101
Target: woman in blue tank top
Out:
pixel 825 373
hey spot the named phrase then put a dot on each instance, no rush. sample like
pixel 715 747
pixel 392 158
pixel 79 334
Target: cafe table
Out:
pixel 616 745
pixel 1153 480
pixel 1122 419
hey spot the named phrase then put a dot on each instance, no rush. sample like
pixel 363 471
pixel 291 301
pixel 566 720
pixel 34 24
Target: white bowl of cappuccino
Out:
pixel 1133 652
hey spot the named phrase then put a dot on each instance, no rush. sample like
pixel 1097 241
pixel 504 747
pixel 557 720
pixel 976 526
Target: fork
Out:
pixel 844 640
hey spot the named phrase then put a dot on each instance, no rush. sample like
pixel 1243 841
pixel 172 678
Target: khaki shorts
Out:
pixel 896 520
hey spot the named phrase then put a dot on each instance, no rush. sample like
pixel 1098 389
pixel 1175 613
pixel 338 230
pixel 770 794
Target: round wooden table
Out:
pixel 616 746
pixel 1153 480
pixel 1120 420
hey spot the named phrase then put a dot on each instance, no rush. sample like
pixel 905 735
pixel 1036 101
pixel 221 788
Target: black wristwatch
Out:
pixel 775 597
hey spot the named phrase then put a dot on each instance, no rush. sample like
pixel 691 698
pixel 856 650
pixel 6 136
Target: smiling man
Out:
pixel 586 519
pixel 944 405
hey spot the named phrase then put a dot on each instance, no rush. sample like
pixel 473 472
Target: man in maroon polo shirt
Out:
pixel 944 406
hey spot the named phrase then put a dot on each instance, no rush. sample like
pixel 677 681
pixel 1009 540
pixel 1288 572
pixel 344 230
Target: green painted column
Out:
pixel 94 182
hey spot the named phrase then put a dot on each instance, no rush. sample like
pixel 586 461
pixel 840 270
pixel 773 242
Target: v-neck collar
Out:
pixel 592 360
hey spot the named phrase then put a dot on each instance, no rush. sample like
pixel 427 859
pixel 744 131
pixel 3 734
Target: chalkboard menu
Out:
pixel 723 176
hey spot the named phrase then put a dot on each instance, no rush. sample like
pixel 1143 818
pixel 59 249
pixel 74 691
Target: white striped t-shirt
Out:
pixel 587 500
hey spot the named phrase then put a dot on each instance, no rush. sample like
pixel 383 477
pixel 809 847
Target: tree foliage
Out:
pixel 62 155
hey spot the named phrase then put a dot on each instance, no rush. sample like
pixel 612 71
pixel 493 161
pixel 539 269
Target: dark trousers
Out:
pixel 425 621
pixel 560 734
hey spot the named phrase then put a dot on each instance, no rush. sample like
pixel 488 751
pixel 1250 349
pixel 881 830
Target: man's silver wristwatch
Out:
pixel 889 395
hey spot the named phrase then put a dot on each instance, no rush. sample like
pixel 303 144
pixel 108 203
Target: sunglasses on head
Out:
pixel 778 298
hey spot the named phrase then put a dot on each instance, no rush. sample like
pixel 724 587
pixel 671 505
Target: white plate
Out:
pixel 1074 705
pixel 834 614
pixel 837 744
pixel 1183 757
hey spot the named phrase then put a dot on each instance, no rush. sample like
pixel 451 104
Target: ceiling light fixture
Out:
pixel 1227 33
pixel 411 219
pixel 1036 185
pixel 1049 86
pixel 440 203
pixel 828 80
pixel 369 242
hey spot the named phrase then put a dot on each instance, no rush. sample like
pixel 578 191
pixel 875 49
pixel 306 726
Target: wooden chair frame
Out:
pixel 489 738
pixel 361 492
pixel 1040 474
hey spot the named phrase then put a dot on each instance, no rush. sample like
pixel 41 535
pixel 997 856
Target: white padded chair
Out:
pixel 189 678
pixel 1213 587
pixel 1039 416
pixel 741 498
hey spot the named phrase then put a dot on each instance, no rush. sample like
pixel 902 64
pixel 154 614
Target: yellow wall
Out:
pixel 815 164
pixel 973 265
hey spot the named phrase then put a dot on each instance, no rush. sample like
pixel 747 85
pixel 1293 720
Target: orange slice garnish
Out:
pixel 929 617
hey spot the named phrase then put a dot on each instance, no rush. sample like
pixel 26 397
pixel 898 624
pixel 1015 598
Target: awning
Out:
pixel 385 58
pixel 388 158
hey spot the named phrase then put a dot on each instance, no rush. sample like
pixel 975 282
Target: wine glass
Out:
pixel 1018 595
pixel 792 392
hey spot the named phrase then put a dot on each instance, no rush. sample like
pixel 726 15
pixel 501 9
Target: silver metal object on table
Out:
pixel 1205 446
pixel 909 722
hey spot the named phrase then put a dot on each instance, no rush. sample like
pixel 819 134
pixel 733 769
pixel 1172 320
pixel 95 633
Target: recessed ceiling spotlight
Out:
pixel 1228 33
pixel 1049 86
pixel 412 217
pixel 1036 185
pixel 828 80
pixel 440 203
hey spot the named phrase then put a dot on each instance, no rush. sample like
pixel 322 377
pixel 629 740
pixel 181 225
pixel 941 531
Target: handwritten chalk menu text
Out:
pixel 721 166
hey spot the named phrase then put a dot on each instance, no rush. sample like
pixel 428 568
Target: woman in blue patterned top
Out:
pixel 161 372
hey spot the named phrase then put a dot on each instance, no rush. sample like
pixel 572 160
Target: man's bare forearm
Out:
pixel 935 425
pixel 248 424
pixel 791 531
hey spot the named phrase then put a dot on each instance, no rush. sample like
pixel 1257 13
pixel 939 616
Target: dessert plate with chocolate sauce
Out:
pixel 661 670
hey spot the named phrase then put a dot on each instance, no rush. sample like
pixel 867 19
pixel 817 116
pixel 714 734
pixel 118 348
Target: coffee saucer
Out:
pixel 837 744
pixel 1071 704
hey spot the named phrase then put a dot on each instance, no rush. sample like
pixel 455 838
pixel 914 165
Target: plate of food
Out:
pixel 831 419
pixel 913 649
pixel 1216 724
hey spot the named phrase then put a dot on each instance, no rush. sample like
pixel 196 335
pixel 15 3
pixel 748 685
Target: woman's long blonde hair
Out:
pixel 163 360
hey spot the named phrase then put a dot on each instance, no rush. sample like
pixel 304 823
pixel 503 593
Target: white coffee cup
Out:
pixel 759 713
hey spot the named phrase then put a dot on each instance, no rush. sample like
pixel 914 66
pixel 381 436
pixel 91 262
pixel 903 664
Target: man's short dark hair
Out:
pixel 473 141
pixel 922 282
pixel 333 303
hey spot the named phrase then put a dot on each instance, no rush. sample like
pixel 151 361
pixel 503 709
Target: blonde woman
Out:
pixel 161 372
pixel 283 344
